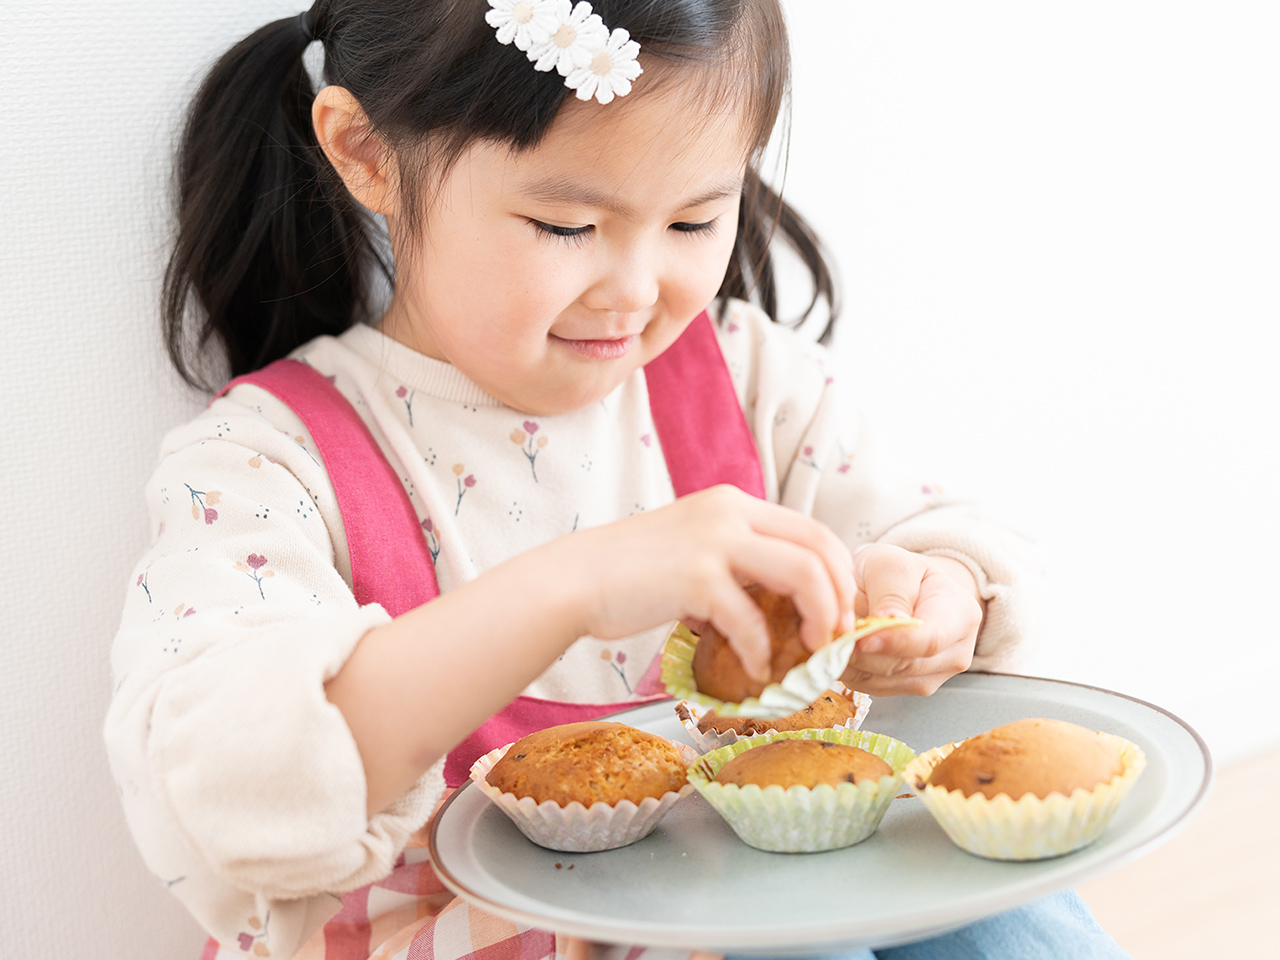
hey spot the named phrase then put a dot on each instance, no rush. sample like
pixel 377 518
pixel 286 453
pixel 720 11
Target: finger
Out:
pixel 783 523
pixel 694 625
pixel 735 615
pixel 890 578
pixel 794 571
pixel 922 640
pixel 879 671
pixel 917 686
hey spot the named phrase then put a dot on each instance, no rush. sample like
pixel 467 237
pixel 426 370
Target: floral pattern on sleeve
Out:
pixel 254 566
pixel 202 503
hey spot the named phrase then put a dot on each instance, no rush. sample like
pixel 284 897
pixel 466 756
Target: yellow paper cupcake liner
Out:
pixel 576 828
pixel 713 740
pixel 1029 828
pixel 801 685
pixel 803 819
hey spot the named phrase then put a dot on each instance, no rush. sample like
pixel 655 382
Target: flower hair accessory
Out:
pixel 571 40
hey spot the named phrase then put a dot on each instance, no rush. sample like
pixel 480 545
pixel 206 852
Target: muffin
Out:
pixel 716 668
pixel 832 709
pixel 803 763
pixel 705 670
pixel 838 707
pixel 592 762
pixel 799 791
pixel 1029 756
pixel 1026 790
pixel 588 786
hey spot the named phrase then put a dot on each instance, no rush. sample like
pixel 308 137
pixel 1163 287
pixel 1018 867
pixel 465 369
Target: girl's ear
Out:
pixel 359 155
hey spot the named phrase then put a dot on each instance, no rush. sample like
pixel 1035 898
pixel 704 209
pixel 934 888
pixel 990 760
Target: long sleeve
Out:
pixel 240 781
pixel 821 457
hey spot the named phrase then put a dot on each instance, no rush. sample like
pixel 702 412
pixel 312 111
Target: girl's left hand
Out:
pixel 914 660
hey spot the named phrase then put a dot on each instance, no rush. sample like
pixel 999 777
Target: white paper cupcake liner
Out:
pixel 711 740
pixel 576 828
pixel 799 687
pixel 1029 828
pixel 803 819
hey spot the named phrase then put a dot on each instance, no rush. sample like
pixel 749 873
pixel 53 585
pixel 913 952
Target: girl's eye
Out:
pixel 567 233
pixel 707 226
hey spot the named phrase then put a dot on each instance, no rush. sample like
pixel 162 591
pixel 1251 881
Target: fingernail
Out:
pixel 893 612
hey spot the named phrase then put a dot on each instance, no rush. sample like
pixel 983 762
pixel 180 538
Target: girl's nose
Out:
pixel 627 284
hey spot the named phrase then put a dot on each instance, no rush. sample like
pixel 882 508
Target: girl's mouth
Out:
pixel 598 349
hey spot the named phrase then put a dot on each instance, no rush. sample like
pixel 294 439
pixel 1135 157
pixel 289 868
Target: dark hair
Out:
pixel 273 249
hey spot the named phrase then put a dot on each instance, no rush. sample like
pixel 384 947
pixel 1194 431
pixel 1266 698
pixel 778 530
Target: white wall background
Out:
pixel 1058 229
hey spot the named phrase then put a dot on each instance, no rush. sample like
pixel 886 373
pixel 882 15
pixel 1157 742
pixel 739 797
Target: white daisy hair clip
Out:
pixel 571 40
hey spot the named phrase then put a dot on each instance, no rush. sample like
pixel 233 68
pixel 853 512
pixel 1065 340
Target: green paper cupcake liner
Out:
pixel 803 819
pixel 801 685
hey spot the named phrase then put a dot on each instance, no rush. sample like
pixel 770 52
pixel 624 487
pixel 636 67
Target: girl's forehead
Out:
pixel 667 139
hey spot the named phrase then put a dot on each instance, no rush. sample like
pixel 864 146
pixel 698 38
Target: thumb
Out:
pixel 890 578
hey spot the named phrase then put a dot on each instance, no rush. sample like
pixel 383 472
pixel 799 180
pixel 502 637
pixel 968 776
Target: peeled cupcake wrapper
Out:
pixel 576 828
pixel 1029 828
pixel 711 740
pixel 799 687
pixel 803 819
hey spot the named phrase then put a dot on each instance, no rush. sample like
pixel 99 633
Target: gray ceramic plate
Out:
pixel 692 883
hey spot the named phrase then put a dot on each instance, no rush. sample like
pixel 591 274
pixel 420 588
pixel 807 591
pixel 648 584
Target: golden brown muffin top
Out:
pixel 829 710
pixel 1029 756
pixel 595 761
pixel 716 668
pixel 804 763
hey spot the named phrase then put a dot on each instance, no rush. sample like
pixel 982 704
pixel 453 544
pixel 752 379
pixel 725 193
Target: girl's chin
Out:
pixel 597 349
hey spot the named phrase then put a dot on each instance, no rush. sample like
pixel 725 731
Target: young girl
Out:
pixel 477 512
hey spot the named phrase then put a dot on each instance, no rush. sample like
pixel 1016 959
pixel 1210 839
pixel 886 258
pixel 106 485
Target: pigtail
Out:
pixel 764 216
pixel 270 247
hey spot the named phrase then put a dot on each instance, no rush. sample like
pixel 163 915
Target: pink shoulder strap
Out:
pixel 390 560
pixel 704 435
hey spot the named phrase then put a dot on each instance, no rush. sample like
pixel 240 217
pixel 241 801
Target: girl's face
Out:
pixel 549 276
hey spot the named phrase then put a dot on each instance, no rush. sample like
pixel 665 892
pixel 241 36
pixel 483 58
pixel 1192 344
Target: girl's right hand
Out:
pixel 690 559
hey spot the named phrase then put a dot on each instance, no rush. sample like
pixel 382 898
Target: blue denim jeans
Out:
pixel 1059 927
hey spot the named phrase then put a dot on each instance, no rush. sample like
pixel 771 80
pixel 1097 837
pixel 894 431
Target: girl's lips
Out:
pixel 599 349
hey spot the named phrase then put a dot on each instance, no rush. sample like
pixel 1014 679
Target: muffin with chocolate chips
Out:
pixel 804 790
pixel 1027 790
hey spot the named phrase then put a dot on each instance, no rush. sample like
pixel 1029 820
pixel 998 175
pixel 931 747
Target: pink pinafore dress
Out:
pixel 410 915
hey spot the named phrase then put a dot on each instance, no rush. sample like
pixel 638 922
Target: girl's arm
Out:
pixel 418 685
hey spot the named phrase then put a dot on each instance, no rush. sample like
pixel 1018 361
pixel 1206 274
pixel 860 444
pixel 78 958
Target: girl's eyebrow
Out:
pixel 564 190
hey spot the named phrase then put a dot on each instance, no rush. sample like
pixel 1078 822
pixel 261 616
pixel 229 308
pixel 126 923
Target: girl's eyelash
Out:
pixel 706 226
pixel 572 234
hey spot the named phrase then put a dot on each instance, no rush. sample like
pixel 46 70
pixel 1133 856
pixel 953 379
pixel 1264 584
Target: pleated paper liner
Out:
pixel 713 740
pixel 803 819
pixel 575 828
pixel 1029 828
pixel 801 685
